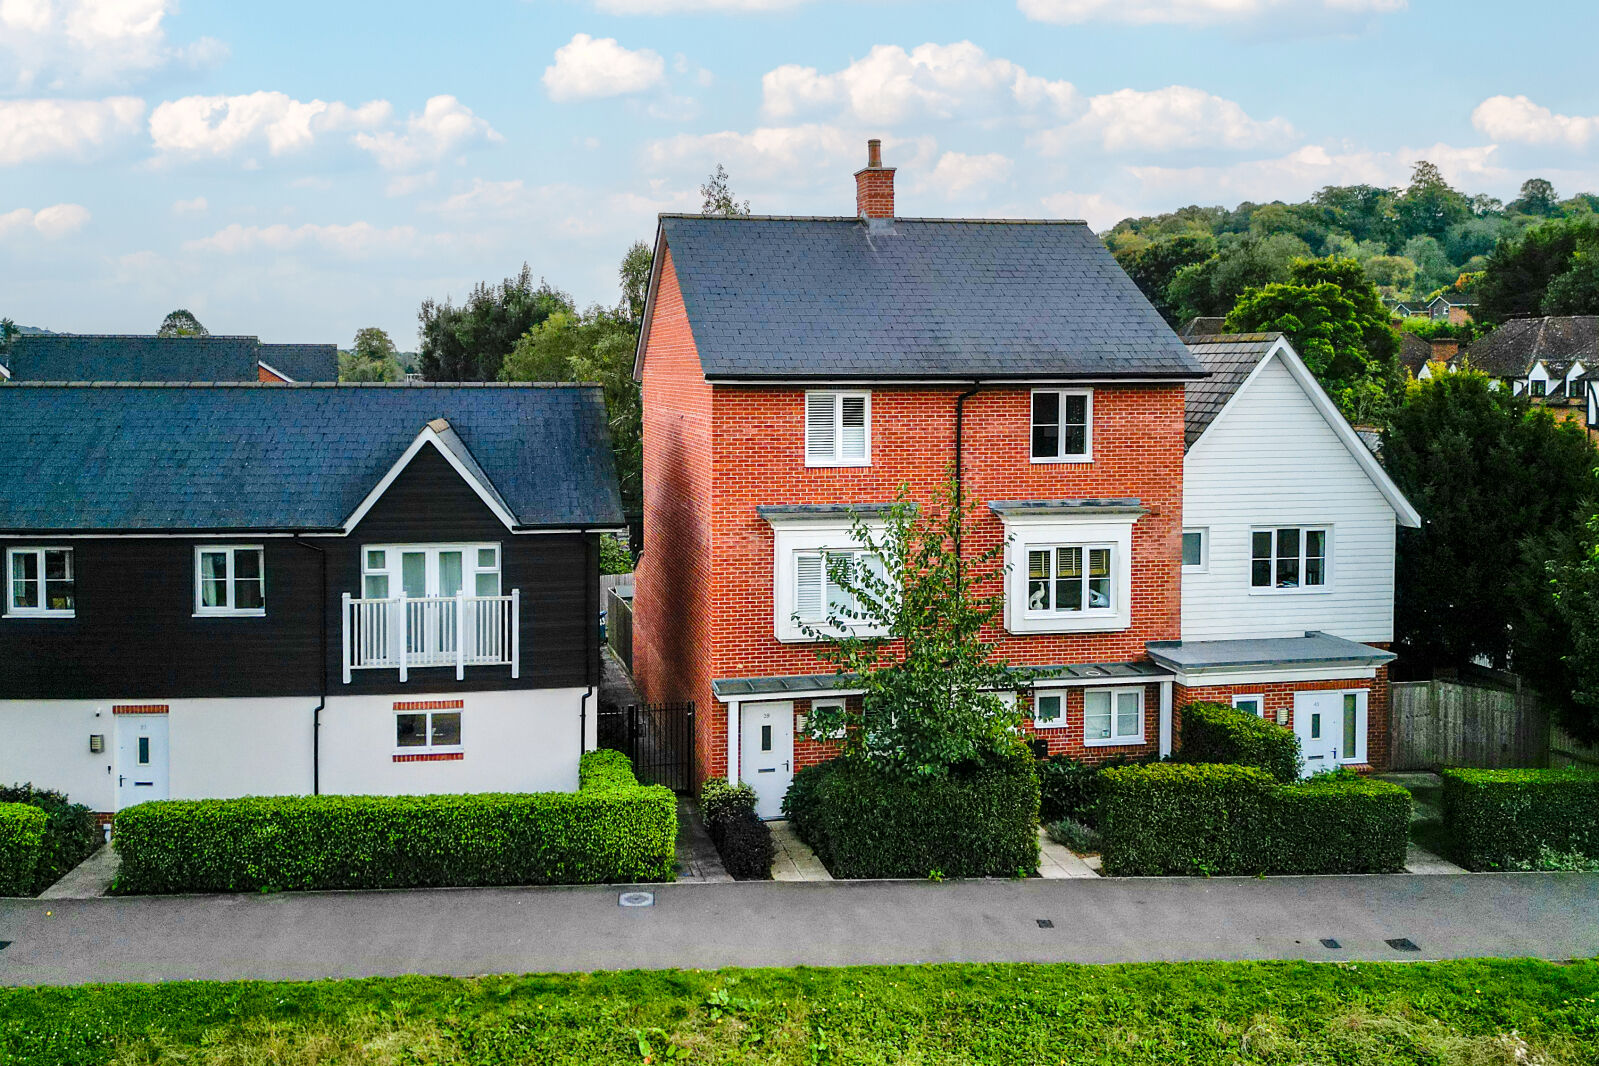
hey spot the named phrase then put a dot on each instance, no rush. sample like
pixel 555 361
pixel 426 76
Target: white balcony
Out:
pixel 458 631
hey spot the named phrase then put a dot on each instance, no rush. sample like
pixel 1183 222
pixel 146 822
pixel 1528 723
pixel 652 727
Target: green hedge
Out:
pixel 1500 819
pixel 611 830
pixel 862 822
pixel 71 832
pixel 1217 733
pixel 21 841
pixel 1200 818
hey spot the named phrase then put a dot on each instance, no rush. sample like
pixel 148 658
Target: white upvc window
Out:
pixel 818 593
pixel 1049 709
pixel 1196 550
pixel 1068 575
pixel 1073 579
pixel 1113 716
pixel 838 428
pixel 1254 704
pixel 427 732
pixel 807 560
pixel 1062 426
pixel 824 705
pixel 423 571
pixel 39 583
pixel 230 581
pixel 1289 558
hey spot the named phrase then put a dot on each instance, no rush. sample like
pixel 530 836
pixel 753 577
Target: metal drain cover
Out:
pixel 1403 943
pixel 1329 943
pixel 1045 923
pixel 636 899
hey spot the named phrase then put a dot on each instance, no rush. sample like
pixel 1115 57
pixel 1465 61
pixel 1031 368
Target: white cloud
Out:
pixel 589 68
pixel 1099 211
pixel 766 153
pixel 406 184
pixel 357 240
pixel 1195 12
pixel 956 173
pixel 571 210
pixel 219 126
pixel 196 206
pixel 1296 175
pixel 673 7
pixel 58 43
pixel 1176 117
pixel 58 220
pixel 444 126
pixel 891 84
pixel 47 129
pixel 1518 119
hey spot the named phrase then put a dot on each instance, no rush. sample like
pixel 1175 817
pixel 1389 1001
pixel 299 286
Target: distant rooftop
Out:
pixel 148 358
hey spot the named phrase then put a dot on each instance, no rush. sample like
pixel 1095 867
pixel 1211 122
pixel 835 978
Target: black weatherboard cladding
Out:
pixel 774 298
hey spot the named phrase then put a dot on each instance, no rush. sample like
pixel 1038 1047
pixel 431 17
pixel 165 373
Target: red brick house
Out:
pixel 795 370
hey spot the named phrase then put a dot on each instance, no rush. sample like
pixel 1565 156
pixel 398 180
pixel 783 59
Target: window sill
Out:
pixel 25 613
pixel 1316 590
pixel 1079 624
pixel 230 614
pixel 429 756
pixel 1118 742
pixel 1067 459
pixel 1048 725
pixel 820 464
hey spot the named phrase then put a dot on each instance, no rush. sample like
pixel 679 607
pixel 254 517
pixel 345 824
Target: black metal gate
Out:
pixel 658 737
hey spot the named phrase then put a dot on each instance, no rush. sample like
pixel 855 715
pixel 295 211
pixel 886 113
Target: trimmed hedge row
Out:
pixel 71 832
pixel 1199 818
pixel 862 822
pixel 611 830
pixel 1217 733
pixel 21 842
pixel 1501 819
pixel 741 838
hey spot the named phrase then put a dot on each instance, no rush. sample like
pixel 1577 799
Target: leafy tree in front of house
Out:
pixel 1245 262
pixel 372 357
pixel 181 323
pixel 1576 596
pixel 470 342
pixel 719 199
pixel 634 274
pixel 1520 272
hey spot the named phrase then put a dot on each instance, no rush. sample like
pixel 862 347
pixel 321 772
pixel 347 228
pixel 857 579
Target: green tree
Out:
pixel 1576 596
pixel 372 357
pixel 8 330
pixel 1392 274
pixel 1576 290
pixel 1517 276
pixel 470 342
pixel 931 698
pixel 181 323
pixel 635 276
pixel 1537 198
pixel 1434 271
pixel 1241 262
pixel 1153 266
pixel 719 199
pixel 1429 206
pixel 1364 212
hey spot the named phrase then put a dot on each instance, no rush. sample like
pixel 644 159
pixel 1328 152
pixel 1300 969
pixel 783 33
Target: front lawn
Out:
pixel 1478 1013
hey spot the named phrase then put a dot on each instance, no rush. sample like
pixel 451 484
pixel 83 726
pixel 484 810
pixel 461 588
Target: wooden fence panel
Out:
pixel 1446 723
pixel 619 627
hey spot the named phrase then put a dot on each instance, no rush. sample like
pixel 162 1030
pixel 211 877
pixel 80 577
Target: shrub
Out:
pixel 1202 818
pixel 1074 835
pixel 742 839
pixel 1067 788
pixel 611 830
pixel 1503 819
pixel 22 831
pixel 71 832
pixel 1216 733
pixel 977 820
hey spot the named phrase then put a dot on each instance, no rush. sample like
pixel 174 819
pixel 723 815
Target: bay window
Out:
pixel 1069 566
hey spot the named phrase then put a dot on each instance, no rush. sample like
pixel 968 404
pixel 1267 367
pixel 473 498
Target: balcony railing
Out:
pixel 458 631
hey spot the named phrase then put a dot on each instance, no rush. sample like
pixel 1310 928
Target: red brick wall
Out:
pixel 1279 699
pixel 1068 739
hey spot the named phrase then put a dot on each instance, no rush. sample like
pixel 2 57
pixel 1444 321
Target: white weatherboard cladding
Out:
pixel 1271 459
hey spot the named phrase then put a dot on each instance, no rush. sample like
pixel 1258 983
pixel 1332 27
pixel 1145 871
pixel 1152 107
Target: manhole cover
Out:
pixel 1330 943
pixel 1045 923
pixel 1403 943
pixel 636 899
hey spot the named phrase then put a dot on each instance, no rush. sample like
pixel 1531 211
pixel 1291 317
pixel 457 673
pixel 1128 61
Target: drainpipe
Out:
pixel 316 715
pixel 591 574
pixel 960 441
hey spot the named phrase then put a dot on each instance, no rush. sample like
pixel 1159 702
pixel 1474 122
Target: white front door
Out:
pixel 141 758
pixel 1331 728
pixel 766 753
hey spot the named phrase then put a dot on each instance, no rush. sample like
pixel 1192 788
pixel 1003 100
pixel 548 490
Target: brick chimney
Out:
pixel 874 185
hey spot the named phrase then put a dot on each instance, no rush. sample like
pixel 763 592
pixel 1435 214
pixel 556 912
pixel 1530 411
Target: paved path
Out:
pixel 89 879
pixel 771 923
pixel 794 861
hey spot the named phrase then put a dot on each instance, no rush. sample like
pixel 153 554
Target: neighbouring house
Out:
pixel 1289 526
pixel 1416 354
pixel 248 589
pixel 1544 358
pixel 109 357
pixel 796 371
pixel 1202 327
pixel 1450 307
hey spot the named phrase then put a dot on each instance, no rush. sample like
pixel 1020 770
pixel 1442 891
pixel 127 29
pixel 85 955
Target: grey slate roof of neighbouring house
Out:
pixel 302 362
pixel 145 357
pixel 834 298
pixel 1230 358
pixel 1511 350
pixel 1202 327
pixel 137 457
pixel 1414 352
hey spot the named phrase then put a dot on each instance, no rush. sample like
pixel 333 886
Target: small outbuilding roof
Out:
pixel 1312 649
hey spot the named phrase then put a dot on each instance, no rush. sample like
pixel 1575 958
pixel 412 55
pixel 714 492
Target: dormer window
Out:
pixel 1063 425
pixel 838 428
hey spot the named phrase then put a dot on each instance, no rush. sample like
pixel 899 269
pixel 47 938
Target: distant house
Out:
pixel 1417 353
pixel 110 357
pixel 1546 358
pixel 1452 308
pixel 1202 327
pixel 1407 308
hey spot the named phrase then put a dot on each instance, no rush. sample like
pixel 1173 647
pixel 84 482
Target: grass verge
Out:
pixel 1519 1013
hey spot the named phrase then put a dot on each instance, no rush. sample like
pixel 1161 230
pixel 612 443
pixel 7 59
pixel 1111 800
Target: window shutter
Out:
pixel 820 432
pixel 853 419
pixel 809 576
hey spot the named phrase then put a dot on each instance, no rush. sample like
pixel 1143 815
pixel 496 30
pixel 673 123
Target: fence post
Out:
pixel 516 633
pixel 405 635
pixel 344 624
pixel 460 634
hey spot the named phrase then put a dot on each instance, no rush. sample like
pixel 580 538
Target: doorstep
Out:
pixel 795 861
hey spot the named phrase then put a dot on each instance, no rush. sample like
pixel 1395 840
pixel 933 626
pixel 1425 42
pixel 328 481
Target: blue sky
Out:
pixel 301 170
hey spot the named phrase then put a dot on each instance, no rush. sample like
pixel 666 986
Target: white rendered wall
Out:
pixel 1270 459
pixel 47 742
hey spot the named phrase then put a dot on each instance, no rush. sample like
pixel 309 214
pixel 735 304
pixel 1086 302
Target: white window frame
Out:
pixel 228 610
pixel 801 538
pixel 1260 702
pixel 469 564
pixel 837 458
pixel 1085 565
pixel 1087 455
pixel 1115 740
pixel 1060 720
pixel 1324 528
pixel 43 610
pixel 837 734
pixel 1036 533
pixel 1203 566
pixel 429 748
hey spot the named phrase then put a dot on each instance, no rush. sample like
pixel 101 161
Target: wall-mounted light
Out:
pixel 96 743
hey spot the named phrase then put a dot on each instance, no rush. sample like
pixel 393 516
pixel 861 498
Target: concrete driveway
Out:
pixel 518 930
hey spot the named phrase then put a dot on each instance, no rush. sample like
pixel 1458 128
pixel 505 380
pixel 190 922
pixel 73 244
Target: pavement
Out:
pixel 794 861
pixel 89 879
pixel 1058 862
pixel 776 923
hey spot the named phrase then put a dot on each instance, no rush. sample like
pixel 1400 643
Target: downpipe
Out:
pixel 316 715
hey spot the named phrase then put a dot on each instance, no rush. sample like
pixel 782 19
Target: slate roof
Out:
pixel 1414 353
pixel 834 298
pixel 302 362
pixel 268 458
pixel 1230 357
pixel 1311 649
pixel 1203 327
pixel 1511 350
pixel 111 357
